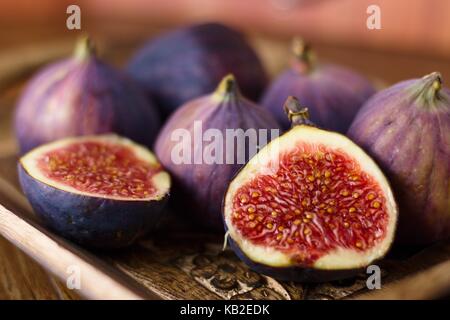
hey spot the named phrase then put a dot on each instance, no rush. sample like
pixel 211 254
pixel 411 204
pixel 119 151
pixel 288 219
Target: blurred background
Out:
pixel 417 26
pixel 417 31
pixel 414 38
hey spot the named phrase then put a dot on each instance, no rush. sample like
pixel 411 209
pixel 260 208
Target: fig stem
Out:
pixel 304 57
pixel 227 87
pixel 297 114
pixel 432 85
pixel 84 48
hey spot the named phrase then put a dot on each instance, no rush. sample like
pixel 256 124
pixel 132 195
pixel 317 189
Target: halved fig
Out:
pixel 100 191
pixel 310 206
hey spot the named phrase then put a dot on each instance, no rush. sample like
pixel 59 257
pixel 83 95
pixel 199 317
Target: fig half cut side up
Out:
pixel 99 191
pixel 310 206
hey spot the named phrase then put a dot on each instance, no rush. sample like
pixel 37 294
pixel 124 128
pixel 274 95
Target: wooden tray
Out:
pixel 180 262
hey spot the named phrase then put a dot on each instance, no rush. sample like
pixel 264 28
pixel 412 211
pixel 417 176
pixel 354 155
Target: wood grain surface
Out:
pixel 181 262
pixel 22 278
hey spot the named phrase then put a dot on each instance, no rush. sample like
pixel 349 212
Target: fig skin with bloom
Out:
pixel 332 93
pixel 82 95
pixel 200 186
pixel 188 62
pixel 406 129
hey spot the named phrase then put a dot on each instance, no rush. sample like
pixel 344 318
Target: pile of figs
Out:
pixel 311 177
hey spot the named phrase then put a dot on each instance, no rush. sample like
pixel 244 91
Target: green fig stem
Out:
pixel 227 87
pixel 304 56
pixel 84 48
pixel 297 114
pixel 433 82
pixel 429 93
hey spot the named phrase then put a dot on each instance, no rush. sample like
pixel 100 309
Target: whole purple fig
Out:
pixel 332 93
pixel 406 128
pixel 82 95
pixel 205 142
pixel 189 62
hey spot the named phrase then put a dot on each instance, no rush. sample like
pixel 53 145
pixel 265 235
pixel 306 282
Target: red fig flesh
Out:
pixel 96 167
pixel 311 199
pixel 406 129
pixel 102 191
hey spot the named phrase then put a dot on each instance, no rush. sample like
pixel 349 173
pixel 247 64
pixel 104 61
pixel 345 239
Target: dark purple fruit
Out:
pixel 332 93
pixel 310 206
pixel 201 175
pixel 100 191
pixel 406 128
pixel 189 62
pixel 81 95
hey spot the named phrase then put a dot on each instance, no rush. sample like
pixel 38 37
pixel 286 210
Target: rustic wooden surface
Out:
pixel 22 278
pixel 199 269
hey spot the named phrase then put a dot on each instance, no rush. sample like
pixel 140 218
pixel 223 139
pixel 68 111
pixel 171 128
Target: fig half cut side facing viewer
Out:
pixel 310 206
pixel 100 191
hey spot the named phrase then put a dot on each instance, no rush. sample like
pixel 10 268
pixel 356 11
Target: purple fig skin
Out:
pixel 189 62
pixel 406 129
pixel 82 95
pixel 199 188
pixel 91 221
pixel 333 94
